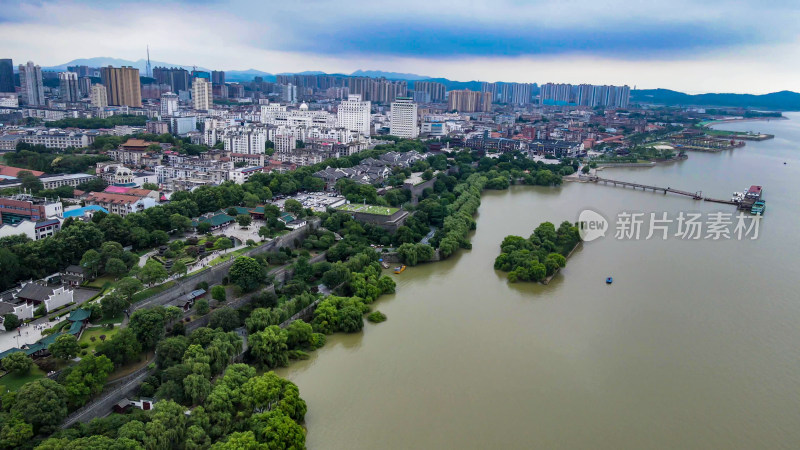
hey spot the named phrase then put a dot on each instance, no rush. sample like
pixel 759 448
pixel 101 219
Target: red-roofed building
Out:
pixel 9 171
pixel 135 152
pixel 123 204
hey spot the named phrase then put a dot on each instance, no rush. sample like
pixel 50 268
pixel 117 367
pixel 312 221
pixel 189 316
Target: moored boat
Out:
pixel 758 207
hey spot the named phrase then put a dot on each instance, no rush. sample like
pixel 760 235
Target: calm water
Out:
pixel 695 345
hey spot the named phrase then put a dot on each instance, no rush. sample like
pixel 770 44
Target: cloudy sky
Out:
pixel 689 45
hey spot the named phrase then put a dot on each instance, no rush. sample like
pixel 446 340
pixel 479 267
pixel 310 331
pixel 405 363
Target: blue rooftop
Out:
pixel 81 211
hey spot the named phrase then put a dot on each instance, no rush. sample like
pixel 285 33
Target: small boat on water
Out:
pixel 758 207
pixel 384 264
pixel 609 280
pixel 399 269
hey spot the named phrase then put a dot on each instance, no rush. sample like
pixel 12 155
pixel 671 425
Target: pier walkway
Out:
pixel 698 195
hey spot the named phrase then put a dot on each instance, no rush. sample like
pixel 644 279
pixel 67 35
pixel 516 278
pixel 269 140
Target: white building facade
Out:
pixel 353 114
pixel 404 118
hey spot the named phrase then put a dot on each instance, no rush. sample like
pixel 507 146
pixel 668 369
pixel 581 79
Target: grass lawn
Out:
pixel 117 319
pixel 187 260
pixel 141 295
pixel 101 282
pixel 129 368
pixel 13 381
pixel 369 209
pixel 96 332
pixel 712 132
pixel 222 258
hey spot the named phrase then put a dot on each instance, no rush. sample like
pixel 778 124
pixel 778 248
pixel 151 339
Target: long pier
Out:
pixel 645 187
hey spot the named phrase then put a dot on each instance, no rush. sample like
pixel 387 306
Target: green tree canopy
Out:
pixel 246 273
pixel 65 347
pixel 17 362
pixel 43 404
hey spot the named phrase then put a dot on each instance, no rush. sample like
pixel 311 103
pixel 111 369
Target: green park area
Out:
pixel 93 336
pixel 13 381
pixel 369 209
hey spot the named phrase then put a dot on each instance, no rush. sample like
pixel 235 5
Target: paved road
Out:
pixel 428 236
pixel 102 406
pixel 143 258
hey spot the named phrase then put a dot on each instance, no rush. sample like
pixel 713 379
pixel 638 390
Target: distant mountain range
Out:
pixel 116 62
pixel 784 100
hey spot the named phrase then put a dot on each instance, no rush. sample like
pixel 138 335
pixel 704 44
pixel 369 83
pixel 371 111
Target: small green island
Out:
pixel 540 256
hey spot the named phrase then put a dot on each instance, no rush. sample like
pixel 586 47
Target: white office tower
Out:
pixel 68 86
pixel 404 118
pixel 353 114
pixel 99 96
pixel 201 94
pixel 169 104
pixel 30 79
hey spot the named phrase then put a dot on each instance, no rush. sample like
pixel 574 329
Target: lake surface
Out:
pixel 695 345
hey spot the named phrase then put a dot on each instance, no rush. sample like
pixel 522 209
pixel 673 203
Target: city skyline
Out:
pixel 676 45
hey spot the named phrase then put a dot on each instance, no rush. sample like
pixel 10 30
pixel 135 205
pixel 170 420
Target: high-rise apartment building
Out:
pixel 68 86
pixel 289 93
pixel 353 114
pixel 30 79
pixel 434 91
pixel 6 75
pixel 201 94
pixel 176 78
pixel 404 118
pixel 521 93
pixel 169 104
pixel 218 77
pixel 84 86
pixel 99 96
pixel 469 101
pixel 122 86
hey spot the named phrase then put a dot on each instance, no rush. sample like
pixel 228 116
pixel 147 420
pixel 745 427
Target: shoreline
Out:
pixel 743 119
pixel 547 280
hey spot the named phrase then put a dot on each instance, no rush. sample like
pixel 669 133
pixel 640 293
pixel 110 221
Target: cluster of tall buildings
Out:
pixel 469 101
pixel 585 95
pixel 379 90
pixel 319 82
pixel 120 86
pixel 510 93
pixel 429 91
pixel 175 77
